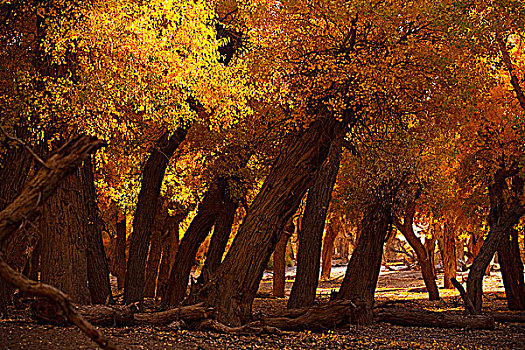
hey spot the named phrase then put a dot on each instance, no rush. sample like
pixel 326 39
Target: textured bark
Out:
pixel 152 176
pixel 64 255
pixel 424 318
pixel 512 271
pixel 27 205
pixel 448 253
pixel 502 218
pixel 14 168
pixel 328 251
pixel 170 244
pixel 310 239
pixel 279 264
pixel 363 269
pixel 152 268
pixel 318 318
pixel 219 240
pixel 97 262
pixel 199 229
pixel 423 258
pixel 232 289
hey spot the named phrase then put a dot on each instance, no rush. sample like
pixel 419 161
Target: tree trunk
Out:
pixel 423 258
pixel 200 227
pixel 219 240
pixel 152 176
pixel 97 263
pixel 328 251
pixel 512 271
pixel 448 253
pixel 170 244
pixel 310 239
pixel 235 284
pixel 430 247
pixel 279 265
pixel 363 269
pixel 501 220
pixel 152 268
pixel 120 252
pixel 64 241
pixel 13 173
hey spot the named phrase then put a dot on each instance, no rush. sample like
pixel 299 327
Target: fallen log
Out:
pixel 189 314
pixel 251 328
pixel 509 317
pixel 317 318
pixel 101 315
pixel 424 318
pixel 112 315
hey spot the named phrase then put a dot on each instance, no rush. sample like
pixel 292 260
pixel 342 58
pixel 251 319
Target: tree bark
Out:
pixel 423 258
pixel 310 239
pixel 13 173
pixel 219 240
pixel 97 263
pixel 328 251
pixel 152 176
pixel 363 269
pixel 152 268
pixel 501 219
pixel 232 289
pixel 170 244
pixel 448 253
pixel 200 227
pixel 279 264
pixel 512 271
pixel 64 241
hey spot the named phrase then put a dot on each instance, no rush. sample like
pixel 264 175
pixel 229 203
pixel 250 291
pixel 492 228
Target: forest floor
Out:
pixel 22 332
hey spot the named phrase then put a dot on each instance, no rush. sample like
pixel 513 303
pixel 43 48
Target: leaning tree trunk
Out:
pixel 219 240
pixel 501 219
pixel 152 176
pixel 363 269
pixel 310 239
pixel 512 271
pixel 97 263
pixel 423 258
pixel 200 227
pixel 328 251
pixel 279 261
pixel 235 284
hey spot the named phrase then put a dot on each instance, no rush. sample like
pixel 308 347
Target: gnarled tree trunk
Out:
pixel 119 251
pixel 363 269
pixel 448 254
pixel 279 261
pixel 232 290
pixel 152 176
pixel 310 239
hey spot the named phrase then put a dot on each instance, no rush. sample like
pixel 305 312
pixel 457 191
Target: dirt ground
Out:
pixel 21 332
